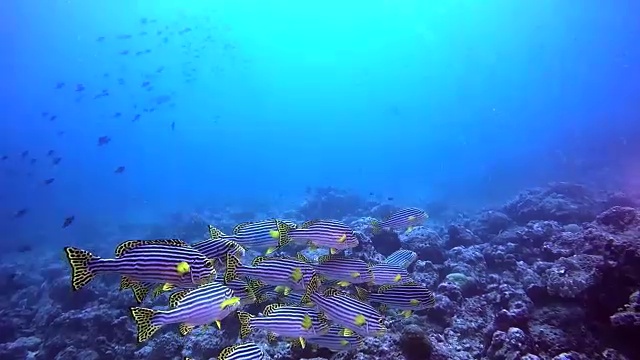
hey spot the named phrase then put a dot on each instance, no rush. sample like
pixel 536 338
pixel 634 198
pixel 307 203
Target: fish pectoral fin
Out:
pixel 303 343
pixel 185 329
pixel 218 324
pixel 333 251
pixel 406 313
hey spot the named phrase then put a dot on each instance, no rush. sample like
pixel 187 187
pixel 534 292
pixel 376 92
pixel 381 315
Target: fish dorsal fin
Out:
pixel 283 233
pixel 307 224
pixel 214 232
pixel 270 308
pixel 258 260
pixel 126 246
pixel 332 292
pixel 227 351
pixel 237 228
pixel 177 296
pixel 301 257
pixel 324 258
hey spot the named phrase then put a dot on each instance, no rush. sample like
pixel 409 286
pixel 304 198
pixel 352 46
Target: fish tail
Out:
pixel 245 323
pixel 231 272
pixel 143 318
pixel 215 233
pixel 283 230
pixel 362 294
pixel 313 285
pixel 80 261
pixel 125 283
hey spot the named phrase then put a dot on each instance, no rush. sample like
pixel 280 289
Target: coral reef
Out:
pixel 553 274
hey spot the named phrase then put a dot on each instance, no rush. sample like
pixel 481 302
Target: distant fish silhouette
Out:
pixel 103 140
pixel 24 248
pixel 50 152
pixel 49 181
pixel 33 161
pixel 53 117
pixel 25 154
pixel 56 161
pixel 4 157
pixel 80 88
pixel 20 213
pixel 59 85
pixel 120 170
pixel 390 198
pixel 173 126
pixel 68 221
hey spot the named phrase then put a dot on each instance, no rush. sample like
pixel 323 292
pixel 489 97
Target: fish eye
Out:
pixel 208 263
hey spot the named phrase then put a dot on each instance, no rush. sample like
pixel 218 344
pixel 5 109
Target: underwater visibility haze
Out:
pixel 320 179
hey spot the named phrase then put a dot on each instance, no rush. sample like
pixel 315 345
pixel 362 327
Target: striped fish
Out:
pixel 204 305
pixel 286 321
pixel 349 312
pixel 402 219
pixel 267 234
pixel 406 297
pixel 217 247
pixel 161 261
pixel 402 258
pixel 246 351
pixel 344 270
pixel 279 271
pixel 386 274
pixel 331 234
pixel 335 340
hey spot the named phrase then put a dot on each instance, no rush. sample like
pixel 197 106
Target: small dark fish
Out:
pixel 53 117
pixel 145 83
pixel 117 115
pixel 24 248
pixel 20 213
pixel 56 161
pixel 68 221
pixel 136 118
pixel 144 21
pixel 124 52
pixel 49 181
pixel 60 133
pixel 59 85
pixel 124 37
pixel 173 126
pixel 79 87
pixel 390 198
pixel 120 81
pixel 102 94
pixel 33 161
pixel 160 69
pixel 371 194
pixel 25 153
pixel 50 152
pixel 100 39
pixel 4 157
pixel 103 140
pixel 44 114
pixel 120 170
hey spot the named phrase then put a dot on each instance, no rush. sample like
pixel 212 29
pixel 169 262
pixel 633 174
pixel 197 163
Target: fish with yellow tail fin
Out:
pixel 330 234
pixel 268 235
pixel 346 311
pixel 278 271
pixel 204 305
pixel 387 274
pixel 157 261
pixel 343 269
pixel 407 297
pixel 285 321
pixel 406 218
pixel 246 351
pixel 401 258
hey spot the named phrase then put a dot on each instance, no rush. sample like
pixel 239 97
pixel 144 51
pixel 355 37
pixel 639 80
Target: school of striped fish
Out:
pixel 333 301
